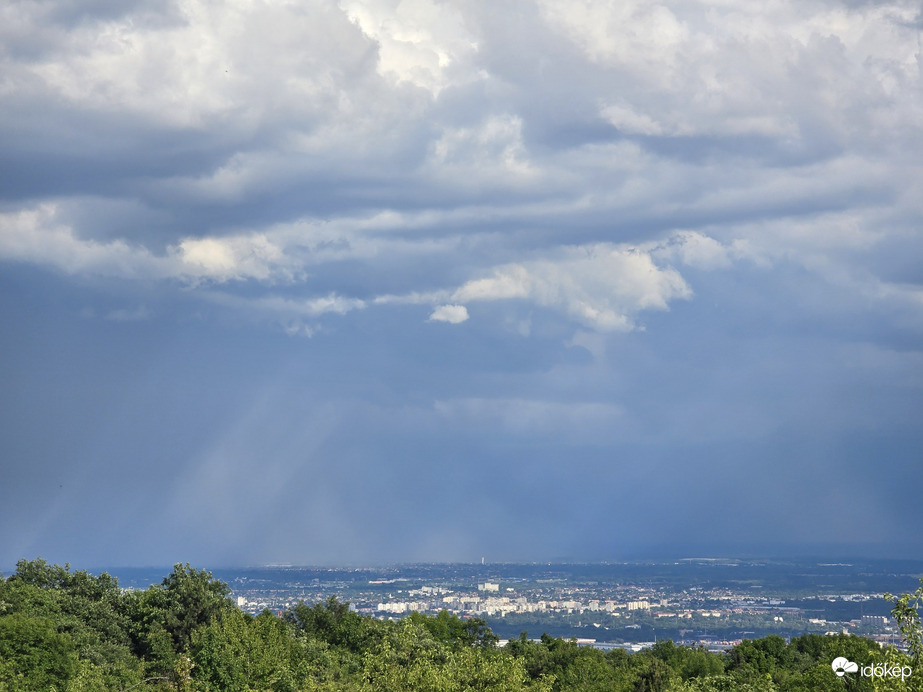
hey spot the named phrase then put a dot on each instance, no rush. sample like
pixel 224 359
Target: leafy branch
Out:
pixel 906 613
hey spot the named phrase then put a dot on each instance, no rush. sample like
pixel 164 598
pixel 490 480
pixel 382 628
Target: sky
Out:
pixel 377 281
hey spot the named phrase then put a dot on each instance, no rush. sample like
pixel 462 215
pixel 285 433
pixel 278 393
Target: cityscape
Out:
pixel 696 601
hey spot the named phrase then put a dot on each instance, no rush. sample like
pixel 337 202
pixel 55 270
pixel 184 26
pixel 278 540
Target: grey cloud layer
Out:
pixel 583 122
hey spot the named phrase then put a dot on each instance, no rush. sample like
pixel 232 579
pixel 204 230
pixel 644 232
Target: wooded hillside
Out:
pixel 65 630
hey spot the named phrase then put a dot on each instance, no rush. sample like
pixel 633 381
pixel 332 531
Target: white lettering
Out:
pixel 841 666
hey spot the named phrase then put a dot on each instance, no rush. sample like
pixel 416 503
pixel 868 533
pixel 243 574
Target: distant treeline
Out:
pixel 64 630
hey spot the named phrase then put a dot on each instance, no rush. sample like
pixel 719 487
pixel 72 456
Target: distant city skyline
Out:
pixel 366 282
pixel 697 600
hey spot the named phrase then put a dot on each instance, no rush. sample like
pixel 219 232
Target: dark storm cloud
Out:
pixel 508 276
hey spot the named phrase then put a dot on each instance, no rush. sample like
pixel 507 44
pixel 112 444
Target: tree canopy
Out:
pixel 66 630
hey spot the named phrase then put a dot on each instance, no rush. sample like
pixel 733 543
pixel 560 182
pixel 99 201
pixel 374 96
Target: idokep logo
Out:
pixel 842 665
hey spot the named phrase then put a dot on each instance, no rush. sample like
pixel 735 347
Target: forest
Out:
pixel 70 630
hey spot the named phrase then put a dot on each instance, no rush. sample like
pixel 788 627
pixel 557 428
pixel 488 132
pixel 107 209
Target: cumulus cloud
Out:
pixel 35 235
pixel 38 235
pixel 722 69
pixel 421 42
pixel 593 123
pixel 199 64
pixel 599 285
pixel 453 314
pixel 602 286
pixel 223 259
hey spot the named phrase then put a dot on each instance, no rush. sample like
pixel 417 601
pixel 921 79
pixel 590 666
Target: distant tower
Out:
pixel 482 560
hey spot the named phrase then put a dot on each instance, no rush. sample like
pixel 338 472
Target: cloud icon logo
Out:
pixel 842 665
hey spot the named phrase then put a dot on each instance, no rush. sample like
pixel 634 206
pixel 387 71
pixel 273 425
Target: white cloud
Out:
pixel 490 153
pixel 777 70
pixel 453 314
pixel 251 256
pixel 421 42
pixel 512 281
pixel 209 255
pixel 443 136
pixel 208 62
pixel 36 235
pixel 640 34
pixel 308 307
pixel 695 250
pixel 602 285
pixel 415 298
pixel 39 236
pixel 280 253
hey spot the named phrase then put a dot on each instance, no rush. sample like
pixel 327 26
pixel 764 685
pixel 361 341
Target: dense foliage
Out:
pixel 63 630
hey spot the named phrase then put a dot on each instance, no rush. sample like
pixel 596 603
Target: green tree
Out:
pixel 411 659
pixel 448 628
pixel 240 652
pixel 657 676
pixel 186 599
pixel 564 665
pixel 163 618
pixel 34 655
pixel 688 662
pixel 91 611
pixel 731 682
pixel 905 612
pixel 334 623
